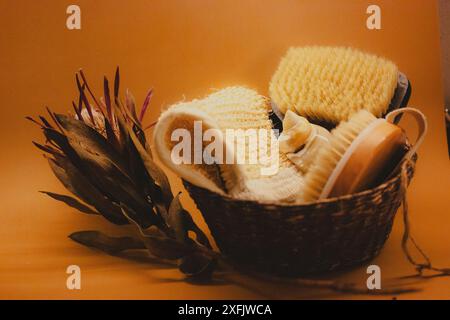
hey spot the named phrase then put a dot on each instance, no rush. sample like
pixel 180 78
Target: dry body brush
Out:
pixel 100 154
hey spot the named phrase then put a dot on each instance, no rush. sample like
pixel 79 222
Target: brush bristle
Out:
pixel 331 83
pixel 328 157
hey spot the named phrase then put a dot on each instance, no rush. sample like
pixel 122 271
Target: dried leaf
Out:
pixel 107 98
pixel 131 104
pixel 104 168
pixel 140 134
pixel 77 112
pixel 84 98
pixel 110 245
pixel 150 125
pixel 123 132
pixel 116 82
pixel 198 265
pixel 153 170
pixel 176 220
pixel 181 222
pixel 75 181
pixel 79 133
pixel 111 135
pixel 159 245
pixel 34 121
pixel 45 122
pixel 80 103
pixel 166 248
pixel 46 148
pixel 146 183
pixel 52 115
pixel 142 178
pixel 88 88
pixel 62 142
pixel 127 113
pixel 159 188
pixel 70 201
pixel 145 104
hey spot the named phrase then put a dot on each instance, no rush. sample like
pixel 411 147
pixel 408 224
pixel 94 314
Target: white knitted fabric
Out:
pixel 231 108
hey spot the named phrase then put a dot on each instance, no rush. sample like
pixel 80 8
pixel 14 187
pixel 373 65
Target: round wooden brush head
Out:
pixel 376 152
pixel 370 158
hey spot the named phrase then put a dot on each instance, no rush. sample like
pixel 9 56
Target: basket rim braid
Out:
pixel 303 204
pixel 303 238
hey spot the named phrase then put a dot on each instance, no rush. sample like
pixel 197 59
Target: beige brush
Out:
pixel 329 84
pixel 362 151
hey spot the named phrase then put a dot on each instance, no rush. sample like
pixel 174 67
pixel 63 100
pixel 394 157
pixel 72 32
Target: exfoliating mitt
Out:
pixel 273 178
pixel 329 84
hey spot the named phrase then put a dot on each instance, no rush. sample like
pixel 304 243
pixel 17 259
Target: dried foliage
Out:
pixel 100 154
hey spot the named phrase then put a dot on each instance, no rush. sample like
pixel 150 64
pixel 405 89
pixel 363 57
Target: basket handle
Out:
pixel 421 121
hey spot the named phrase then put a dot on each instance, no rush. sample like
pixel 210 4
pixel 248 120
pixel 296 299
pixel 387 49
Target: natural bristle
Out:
pixel 328 157
pixel 331 83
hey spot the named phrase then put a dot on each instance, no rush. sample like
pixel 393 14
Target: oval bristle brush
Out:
pixel 361 153
pixel 329 84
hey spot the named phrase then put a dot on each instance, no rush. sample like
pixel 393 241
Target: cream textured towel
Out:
pixel 231 108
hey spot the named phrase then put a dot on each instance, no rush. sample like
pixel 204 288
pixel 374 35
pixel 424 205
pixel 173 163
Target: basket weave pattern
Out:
pixel 293 240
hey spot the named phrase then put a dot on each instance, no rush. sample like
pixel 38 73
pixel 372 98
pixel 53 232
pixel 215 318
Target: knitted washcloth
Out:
pixel 273 178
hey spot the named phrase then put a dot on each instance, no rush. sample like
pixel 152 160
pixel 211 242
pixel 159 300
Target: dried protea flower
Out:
pixel 98 122
pixel 101 156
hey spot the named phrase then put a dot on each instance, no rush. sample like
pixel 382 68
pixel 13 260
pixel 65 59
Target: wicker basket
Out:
pixel 292 240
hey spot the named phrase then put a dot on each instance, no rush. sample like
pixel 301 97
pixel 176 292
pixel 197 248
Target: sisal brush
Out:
pixel 361 153
pixel 329 84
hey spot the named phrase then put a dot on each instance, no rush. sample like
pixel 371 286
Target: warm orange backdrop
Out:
pixel 183 49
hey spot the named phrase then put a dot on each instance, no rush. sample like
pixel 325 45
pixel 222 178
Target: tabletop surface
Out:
pixel 184 49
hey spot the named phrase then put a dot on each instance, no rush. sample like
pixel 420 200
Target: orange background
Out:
pixel 183 49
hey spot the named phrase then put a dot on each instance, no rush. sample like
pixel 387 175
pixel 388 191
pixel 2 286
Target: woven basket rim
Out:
pixel 360 194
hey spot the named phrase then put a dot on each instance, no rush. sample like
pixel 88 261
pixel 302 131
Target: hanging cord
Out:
pixel 426 265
